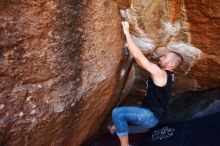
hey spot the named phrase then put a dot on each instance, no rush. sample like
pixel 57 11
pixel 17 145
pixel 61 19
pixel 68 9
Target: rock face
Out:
pixel 190 28
pixel 62 68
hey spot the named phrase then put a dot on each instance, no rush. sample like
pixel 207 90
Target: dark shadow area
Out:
pixel 195 132
pixel 194 117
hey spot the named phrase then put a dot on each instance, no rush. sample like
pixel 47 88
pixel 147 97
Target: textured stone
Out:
pixel 63 66
pixel 123 4
pixel 204 23
pixel 188 27
pixel 60 71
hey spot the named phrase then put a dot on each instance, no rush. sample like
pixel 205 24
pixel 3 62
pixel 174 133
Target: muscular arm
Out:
pixel 159 76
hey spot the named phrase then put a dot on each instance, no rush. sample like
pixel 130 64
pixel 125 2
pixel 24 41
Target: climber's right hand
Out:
pixel 125 25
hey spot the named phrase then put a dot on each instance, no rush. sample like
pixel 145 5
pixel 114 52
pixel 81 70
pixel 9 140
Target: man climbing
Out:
pixel 154 106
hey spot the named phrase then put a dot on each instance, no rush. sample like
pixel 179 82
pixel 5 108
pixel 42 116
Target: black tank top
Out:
pixel 157 98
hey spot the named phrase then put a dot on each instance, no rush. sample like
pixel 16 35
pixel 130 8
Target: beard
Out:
pixel 162 64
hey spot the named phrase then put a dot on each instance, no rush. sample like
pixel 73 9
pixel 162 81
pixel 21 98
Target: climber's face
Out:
pixel 164 60
pixel 167 60
pixel 170 61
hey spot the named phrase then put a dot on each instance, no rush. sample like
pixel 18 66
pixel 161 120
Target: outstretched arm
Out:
pixel 156 72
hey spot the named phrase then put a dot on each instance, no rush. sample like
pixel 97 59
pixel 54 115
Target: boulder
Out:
pixel 190 28
pixel 63 65
pixel 62 69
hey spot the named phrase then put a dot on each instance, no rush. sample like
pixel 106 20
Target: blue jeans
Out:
pixel 136 115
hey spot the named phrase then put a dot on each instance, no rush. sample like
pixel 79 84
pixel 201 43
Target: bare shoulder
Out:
pixel 159 77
